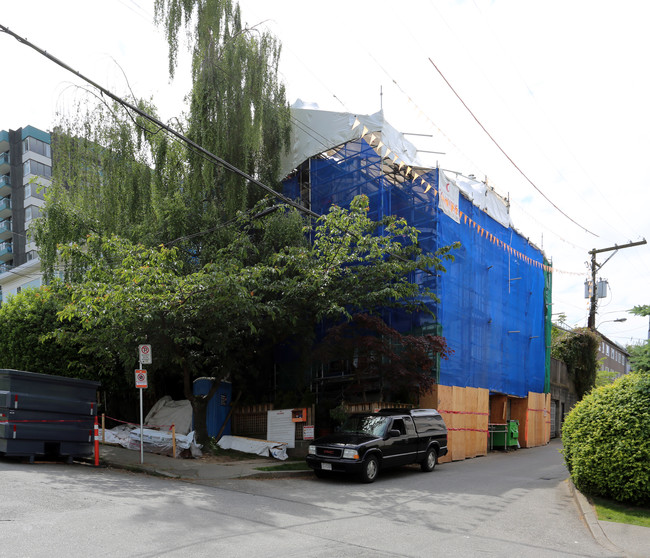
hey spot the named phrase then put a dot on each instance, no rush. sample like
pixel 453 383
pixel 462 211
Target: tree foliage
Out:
pixel 29 340
pixel 578 349
pixel 204 323
pixel 640 354
pixel 116 173
pixel 238 108
pixel 381 358
pixel 606 439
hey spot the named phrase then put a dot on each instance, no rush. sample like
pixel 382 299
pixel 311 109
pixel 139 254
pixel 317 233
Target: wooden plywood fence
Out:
pixel 534 416
pixel 466 413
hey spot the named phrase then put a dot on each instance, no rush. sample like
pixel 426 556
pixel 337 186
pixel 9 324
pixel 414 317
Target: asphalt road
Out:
pixel 515 504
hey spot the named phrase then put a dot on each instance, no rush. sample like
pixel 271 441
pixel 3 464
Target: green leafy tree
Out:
pixel 606 439
pixel 238 108
pixel 29 342
pixel 578 349
pixel 35 340
pixel 640 354
pixel 116 173
pixel 204 323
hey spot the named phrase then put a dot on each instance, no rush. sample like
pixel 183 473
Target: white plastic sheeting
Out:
pixel 157 438
pixel 316 131
pixel 167 412
pixel 265 448
pixel 153 441
pixel 482 197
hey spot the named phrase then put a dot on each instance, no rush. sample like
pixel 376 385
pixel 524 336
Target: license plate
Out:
pixel 326 466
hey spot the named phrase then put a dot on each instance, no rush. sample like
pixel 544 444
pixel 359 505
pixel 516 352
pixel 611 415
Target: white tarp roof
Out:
pixel 316 131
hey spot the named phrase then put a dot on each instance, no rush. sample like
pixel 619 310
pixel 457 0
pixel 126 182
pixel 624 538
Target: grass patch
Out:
pixel 291 466
pixel 608 510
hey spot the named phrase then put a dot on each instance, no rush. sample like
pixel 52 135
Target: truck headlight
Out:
pixel 350 454
pixel 312 450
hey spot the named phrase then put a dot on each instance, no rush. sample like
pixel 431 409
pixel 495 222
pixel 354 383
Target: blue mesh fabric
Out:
pixel 491 305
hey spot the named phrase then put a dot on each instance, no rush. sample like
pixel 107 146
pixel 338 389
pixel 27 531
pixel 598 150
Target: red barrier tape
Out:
pixel 463 412
pixel 168 426
pixel 469 430
pixel 5 420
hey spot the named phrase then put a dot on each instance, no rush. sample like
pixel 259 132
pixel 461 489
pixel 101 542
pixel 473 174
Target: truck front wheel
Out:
pixel 430 460
pixel 370 469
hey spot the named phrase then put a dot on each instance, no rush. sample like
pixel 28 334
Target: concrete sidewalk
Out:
pixel 621 539
pixel 201 469
pixel 632 541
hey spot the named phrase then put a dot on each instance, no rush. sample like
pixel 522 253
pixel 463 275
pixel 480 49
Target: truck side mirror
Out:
pixel 394 433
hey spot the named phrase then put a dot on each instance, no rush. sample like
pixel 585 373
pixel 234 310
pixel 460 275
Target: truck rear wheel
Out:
pixel 430 460
pixel 370 469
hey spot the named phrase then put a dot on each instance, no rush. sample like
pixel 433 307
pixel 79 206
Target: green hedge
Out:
pixel 606 439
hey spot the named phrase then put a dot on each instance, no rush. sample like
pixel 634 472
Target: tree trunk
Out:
pixel 199 405
pixel 200 412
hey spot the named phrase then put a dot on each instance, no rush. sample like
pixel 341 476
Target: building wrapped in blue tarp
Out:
pixel 494 298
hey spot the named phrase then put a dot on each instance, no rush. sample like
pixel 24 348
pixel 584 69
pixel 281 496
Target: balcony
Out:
pixel 5 185
pixel 5 162
pixel 5 229
pixel 5 208
pixel 6 253
pixel 4 140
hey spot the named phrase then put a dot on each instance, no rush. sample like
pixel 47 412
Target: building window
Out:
pixel 37 146
pixel 34 167
pixel 32 212
pixel 31 255
pixel 35 190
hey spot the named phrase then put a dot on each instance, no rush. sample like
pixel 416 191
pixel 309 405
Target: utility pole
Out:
pixel 591 323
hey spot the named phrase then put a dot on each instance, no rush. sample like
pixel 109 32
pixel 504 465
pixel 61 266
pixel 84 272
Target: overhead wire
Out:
pixel 504 153
pixel 211 156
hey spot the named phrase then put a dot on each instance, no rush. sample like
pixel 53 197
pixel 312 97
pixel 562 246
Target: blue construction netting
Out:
pixel 492 306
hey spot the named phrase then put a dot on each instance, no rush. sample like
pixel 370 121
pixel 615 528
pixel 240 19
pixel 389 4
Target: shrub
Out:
pixel 606 441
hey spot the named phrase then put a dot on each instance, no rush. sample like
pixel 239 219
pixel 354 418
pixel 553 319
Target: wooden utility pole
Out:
pixel 591 323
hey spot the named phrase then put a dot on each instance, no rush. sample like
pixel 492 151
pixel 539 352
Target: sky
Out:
pixel 561 87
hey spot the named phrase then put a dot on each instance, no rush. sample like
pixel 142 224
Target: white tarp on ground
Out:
pixel 264 448
pixel 315 131
pixel 154 441
pixel 157 434
pixel 167 412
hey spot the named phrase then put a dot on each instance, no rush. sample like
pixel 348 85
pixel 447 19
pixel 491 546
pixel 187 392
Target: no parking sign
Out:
pixel 141 379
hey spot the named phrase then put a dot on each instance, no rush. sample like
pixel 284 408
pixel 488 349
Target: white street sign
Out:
pixel 145 353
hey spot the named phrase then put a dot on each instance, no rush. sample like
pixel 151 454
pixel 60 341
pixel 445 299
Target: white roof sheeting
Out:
pixel 316 131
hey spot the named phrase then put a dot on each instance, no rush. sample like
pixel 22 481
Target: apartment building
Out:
pixel 25 174
pixel 613 357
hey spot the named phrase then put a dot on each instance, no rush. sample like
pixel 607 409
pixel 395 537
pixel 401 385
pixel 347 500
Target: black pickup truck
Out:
pixel 368 442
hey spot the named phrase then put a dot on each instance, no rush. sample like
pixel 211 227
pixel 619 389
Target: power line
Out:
pixel 505 154
pixel 168 129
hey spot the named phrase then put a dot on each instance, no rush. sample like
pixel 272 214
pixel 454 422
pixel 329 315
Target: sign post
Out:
pixel 144 352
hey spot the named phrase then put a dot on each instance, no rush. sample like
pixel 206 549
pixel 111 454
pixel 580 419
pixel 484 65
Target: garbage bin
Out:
pixel 513 433
pixel 43 414
pixel 504 435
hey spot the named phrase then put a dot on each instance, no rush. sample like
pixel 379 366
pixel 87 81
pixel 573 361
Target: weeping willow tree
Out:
pixel 116 173
pixel 237 105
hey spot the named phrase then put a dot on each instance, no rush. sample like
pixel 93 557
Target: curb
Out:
pixel 588 515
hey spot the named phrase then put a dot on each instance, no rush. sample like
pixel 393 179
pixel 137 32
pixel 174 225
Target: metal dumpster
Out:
pixel 504 435
pixel 45 415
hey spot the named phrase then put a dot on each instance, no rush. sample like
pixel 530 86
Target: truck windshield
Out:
pixel 373 425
